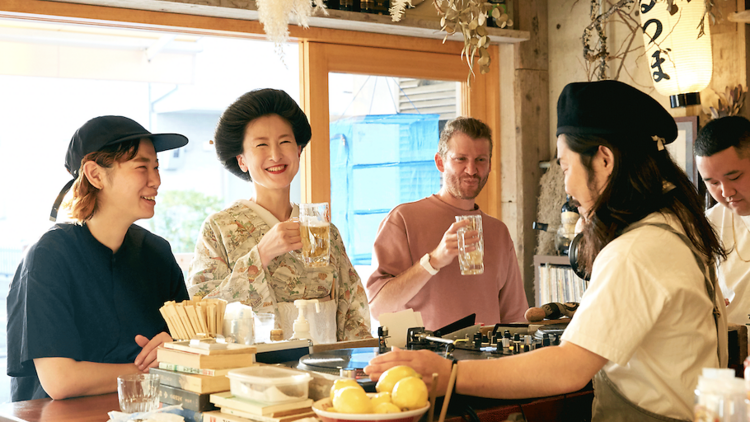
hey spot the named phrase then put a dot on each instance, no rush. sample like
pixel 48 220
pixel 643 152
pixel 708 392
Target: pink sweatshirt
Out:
pixel 413 229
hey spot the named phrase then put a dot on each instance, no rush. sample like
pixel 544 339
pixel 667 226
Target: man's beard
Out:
pixel 453 183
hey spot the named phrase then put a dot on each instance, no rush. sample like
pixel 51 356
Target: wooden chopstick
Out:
pixel 451 381
pixel 433 393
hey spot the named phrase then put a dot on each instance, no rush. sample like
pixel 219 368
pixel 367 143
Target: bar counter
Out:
pixel 572 407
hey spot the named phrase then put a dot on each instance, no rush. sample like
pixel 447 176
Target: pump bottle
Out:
pixel 301 327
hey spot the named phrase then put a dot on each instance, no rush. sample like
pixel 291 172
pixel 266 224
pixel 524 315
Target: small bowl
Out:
pixel 320 406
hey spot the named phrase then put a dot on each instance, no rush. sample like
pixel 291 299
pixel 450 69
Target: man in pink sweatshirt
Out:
pixel 416 246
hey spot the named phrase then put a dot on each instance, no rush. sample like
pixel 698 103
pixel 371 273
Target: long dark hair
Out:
pixel 639 186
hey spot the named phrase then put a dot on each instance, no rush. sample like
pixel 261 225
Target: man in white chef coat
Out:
pixel 722 152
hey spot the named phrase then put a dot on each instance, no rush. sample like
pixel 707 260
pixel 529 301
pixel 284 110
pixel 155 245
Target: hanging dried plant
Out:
pixel 728 103
pixel 470 17
pixel 397 9
pixel 275 16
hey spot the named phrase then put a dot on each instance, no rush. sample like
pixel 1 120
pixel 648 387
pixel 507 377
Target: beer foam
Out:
pixel 316 223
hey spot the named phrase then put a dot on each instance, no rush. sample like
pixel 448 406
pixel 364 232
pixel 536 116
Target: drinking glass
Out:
pixel 264 323
pixel 470 257
pixel 316 232
pixel 138 392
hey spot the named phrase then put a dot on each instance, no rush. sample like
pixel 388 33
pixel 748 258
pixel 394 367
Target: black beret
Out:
pixel 612 108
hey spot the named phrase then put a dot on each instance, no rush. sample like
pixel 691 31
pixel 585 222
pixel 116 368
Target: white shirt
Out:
pixel 647 311
pixel 733 274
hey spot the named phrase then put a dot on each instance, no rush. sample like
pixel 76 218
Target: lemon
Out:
pixel 352 400
pixel 380 398
pixel 392 376
pixel 387 408
pixel 410 394
pixel 341 383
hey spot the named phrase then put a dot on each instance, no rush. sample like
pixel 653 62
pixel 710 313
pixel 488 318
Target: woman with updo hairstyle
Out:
pixel 242 253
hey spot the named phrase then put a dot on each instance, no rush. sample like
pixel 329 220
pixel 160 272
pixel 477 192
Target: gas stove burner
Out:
pixel 556 329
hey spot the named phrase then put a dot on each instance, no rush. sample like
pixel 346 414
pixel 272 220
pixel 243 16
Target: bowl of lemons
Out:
pixel 401 397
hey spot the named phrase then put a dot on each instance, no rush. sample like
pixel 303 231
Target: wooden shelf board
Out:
pixel 336 19
pixel 551 259
pixel 739 17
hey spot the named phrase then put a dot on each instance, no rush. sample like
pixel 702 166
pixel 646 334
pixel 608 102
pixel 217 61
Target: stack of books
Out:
pixel 236 409
pixel 189 375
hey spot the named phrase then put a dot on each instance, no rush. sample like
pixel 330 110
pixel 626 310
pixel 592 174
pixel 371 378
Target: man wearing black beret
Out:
pixel 652 317
pixel 83 307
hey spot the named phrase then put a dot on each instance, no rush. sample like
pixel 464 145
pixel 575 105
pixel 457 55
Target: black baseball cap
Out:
pixel 103 131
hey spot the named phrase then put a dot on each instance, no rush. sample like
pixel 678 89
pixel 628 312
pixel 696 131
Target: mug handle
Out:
pixel 297 253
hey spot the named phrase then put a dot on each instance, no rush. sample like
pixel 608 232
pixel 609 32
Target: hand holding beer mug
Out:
pixel 315 231
pixel 470 255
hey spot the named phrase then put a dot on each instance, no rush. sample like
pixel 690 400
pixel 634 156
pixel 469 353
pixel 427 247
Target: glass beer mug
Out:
pixel 315 231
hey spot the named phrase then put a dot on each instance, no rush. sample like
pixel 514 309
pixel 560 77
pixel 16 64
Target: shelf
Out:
pixel 560 283
pixel 336 19
pixel 410 27
pixel 739 17
pixel 551 259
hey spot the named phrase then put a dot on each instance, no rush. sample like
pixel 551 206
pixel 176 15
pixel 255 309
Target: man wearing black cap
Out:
pixel 84 303
pixel 722 152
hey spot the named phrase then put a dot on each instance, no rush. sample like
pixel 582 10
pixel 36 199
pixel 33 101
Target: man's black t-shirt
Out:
pixel 72 297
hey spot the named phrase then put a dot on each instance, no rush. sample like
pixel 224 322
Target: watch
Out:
pixel 425 263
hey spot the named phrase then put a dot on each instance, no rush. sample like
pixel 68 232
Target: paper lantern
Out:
pixel 679 61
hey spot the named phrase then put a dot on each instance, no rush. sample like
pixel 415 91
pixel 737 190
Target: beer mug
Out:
pixel 470 261
pixel 315 231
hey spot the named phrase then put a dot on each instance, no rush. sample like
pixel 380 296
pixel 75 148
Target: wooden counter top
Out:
pixel 84 409
pixel 568 407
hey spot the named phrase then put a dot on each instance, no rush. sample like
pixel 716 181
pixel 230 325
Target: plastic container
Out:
pixel 239 324
pixel 269 384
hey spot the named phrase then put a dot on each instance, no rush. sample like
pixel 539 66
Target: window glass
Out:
pixel 384 135
pixel 55 77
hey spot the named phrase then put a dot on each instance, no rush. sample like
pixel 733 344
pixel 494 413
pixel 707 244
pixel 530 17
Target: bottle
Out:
pixel 501 9
pixel 720 397
pixel 569 215
pixel 301 327
pixel 331 4
pixel 378 7
pixel 567 231
pixel 350 5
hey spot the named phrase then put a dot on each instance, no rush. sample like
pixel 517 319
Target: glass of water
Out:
pixel 138 392
pixel 471 256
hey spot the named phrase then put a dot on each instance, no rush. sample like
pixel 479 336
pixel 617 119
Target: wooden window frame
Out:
pixel 318 59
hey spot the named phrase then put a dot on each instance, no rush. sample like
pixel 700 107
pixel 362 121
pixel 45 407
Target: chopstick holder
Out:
pixel 451 382
pixel 433 394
